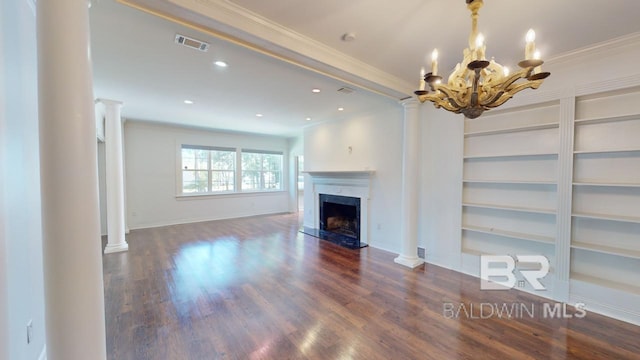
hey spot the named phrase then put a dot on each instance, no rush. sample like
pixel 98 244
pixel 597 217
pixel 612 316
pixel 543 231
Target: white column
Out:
pixel 410 185
pixel 74 297
pixel 114 177
pixel 562 264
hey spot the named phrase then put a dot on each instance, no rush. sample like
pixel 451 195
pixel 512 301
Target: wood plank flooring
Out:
pixel 256 288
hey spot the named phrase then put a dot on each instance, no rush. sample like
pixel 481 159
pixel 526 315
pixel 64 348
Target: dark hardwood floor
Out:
pixel 255 288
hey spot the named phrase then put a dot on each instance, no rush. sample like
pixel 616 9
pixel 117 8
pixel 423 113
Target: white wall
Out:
pixel 376 143
pixel 152 163
pixel 21 277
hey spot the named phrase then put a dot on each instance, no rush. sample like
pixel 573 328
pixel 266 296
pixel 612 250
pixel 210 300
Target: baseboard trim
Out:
pixel 193 221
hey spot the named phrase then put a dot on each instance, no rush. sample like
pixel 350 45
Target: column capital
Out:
pixel 410 102
pixel 109 102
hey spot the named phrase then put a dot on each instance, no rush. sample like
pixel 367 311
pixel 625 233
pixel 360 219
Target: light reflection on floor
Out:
pixel 209 267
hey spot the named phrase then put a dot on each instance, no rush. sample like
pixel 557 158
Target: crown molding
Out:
pixel 602 49
pixel 238 25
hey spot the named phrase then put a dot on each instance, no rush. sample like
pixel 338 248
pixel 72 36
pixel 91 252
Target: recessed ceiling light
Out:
pixel 220 63
pixel 340 108
pixel 188 102
pixel 308 119
pixel 347 37
pixel 316 90
pixel 259 115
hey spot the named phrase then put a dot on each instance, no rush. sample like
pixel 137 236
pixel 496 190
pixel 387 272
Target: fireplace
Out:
pixel 340 215
pixel 339 207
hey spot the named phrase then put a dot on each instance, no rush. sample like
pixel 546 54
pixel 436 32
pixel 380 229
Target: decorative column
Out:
pixel 564 195
pixel 410 185
pixel 116 241
pixel 72 256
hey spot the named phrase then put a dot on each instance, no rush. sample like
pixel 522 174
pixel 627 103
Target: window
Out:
pixel 208 169
pixel 261 170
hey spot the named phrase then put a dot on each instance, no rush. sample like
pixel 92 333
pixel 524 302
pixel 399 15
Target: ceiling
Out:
pixel 279 50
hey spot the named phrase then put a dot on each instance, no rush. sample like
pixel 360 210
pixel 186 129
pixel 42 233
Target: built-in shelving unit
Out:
pixel 605 230
pixel 560 179
pixel 510 187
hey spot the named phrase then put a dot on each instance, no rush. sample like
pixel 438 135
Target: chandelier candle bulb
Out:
pixel 434 62
pixel 530 47
pixel 422 82
pixel 536 56
pixel 480 47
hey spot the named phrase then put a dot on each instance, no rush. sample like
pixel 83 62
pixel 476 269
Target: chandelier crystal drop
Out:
pixel 476 84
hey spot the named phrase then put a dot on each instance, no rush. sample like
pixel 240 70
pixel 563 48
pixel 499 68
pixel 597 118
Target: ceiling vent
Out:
pixel 345 90
pixel 192 43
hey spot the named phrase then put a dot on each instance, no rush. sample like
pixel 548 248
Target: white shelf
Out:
pixel 631 219
pixel 522 182
pixel 605 151
pixel 605 283
pixel 511 208
pixel 510 234
pixel 599 120
pixel 634 254
pixel 606 184
pixel 513 129
pixel 488 156
pixel 339 173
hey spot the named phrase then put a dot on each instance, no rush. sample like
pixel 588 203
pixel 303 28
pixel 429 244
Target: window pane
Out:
pixel 251 162
pixel 223 160
pixel 202 159
pixel 188 159
pixel 261 171
pixel 222 181
pixel 250 180
pixel 188 182
pixel 202 181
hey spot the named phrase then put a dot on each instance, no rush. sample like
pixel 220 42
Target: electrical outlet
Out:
pixel 29 331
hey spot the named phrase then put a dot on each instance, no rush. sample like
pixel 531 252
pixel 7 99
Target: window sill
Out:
pixel 229 194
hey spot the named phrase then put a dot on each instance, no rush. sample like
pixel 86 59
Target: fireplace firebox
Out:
pixel 340 219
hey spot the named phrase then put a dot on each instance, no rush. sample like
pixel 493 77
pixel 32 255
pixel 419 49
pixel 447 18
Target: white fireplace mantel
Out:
pixel 353 183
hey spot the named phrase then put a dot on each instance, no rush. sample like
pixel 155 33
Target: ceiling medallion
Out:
pixel 476 84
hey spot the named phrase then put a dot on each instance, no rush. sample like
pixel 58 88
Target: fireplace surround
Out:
pixel 340 211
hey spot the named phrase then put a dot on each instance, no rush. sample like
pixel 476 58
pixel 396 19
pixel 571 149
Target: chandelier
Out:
pixel 476 84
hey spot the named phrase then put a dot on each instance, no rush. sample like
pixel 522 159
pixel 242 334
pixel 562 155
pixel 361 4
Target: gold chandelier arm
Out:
pixel 439 100
pixel 516 89
pixel 454 97
pixel 522 74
